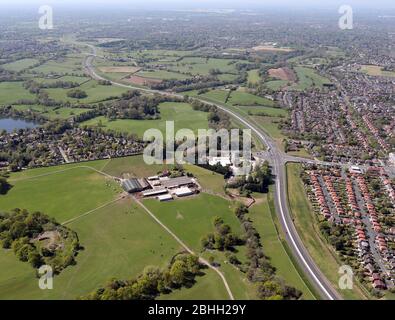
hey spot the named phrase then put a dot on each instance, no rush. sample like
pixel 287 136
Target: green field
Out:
pixel 202 66
pixel 162 75
pixel 114 237
pixel 254 77
pixel 247 99
pixel 306 224
pixel 63 66
pixel 308 78
pixel 276 84
pixel 376 71
pixel 76 79
pixel 19 65
pixel 262 216
pixel 11 92
pixel 267 111
pixel 55 192
pixel 93 89
pixel 192 218
pixel 181 113
pixel 52 112
pixel 115 245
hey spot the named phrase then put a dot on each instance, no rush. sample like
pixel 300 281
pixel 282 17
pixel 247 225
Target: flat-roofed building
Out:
pixel 165 197
pixel 154 192
pixel 183 192
pixel 177 182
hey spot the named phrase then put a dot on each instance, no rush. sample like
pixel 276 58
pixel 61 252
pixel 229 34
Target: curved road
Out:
pixel 316 277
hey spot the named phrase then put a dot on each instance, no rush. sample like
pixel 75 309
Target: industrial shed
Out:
pixel 134 185
pixel 177 182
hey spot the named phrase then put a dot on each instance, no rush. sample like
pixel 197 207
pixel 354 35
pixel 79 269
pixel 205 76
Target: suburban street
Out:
pixel 278 161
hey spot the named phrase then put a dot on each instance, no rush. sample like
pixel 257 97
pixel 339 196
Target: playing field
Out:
pixel 181 113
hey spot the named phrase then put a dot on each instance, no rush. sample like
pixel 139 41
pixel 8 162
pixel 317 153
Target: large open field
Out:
pixel 11 92
pixel 242 98
pixel 376 71
pixel 119 238
pixel 19 65
pixel 70 65
pixel 308 78
pixel 192 218
pixel 52 112
pixel 181 113
pixel 93 89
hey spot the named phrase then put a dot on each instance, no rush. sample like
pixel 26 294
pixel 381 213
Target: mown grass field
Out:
pixel 306 224
pixel 181 113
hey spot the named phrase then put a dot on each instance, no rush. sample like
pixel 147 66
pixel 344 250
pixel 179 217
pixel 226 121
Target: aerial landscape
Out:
pixel 164 150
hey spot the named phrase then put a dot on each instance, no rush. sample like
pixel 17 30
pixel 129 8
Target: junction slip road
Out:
pixel 278 161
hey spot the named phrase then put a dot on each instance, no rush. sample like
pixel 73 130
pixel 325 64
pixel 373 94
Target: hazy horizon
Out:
pixel 200 4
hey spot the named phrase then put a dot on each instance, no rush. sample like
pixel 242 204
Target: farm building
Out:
pixel 154 192
pixel 177 182
pixel 134 185
pixel 183 192
pixel 165 197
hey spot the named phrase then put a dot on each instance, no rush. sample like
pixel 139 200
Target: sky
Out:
pixel 203 4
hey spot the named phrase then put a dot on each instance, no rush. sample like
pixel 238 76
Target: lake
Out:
pixel 10 125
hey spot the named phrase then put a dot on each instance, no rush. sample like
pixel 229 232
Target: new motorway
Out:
pixel 278 161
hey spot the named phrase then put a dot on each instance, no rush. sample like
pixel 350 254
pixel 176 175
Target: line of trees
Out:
pixel 259 269
pixel 153 282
